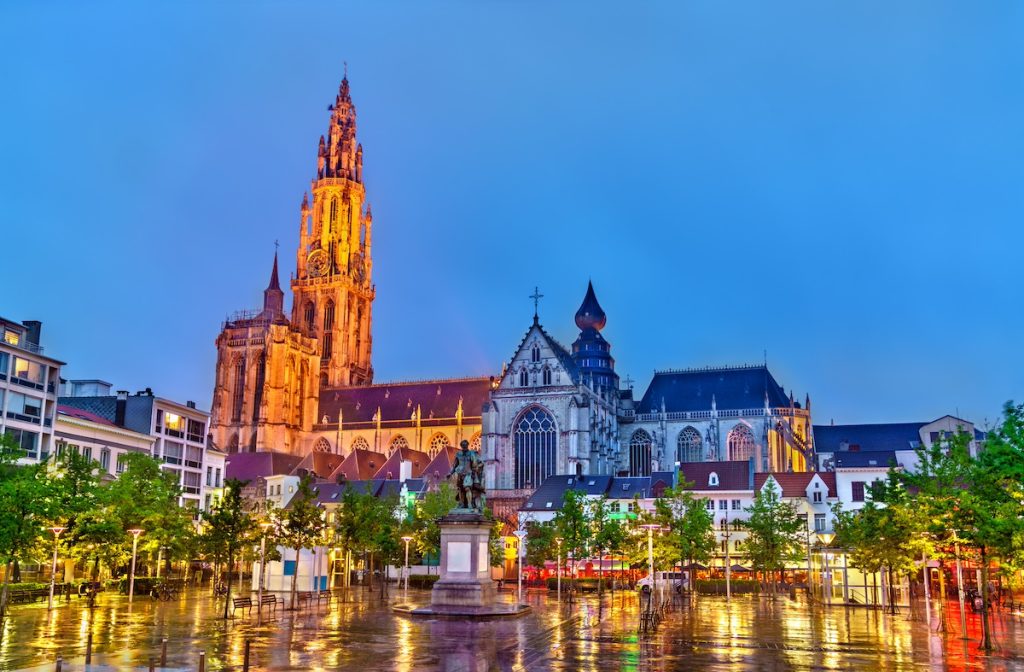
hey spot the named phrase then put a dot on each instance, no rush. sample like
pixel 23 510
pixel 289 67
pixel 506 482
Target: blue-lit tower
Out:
pixel 591 352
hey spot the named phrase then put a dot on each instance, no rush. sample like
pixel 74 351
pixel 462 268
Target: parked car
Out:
pixel 676 581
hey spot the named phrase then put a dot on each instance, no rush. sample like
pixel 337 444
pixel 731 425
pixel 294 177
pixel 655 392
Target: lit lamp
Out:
pixel 263 566
pixel 650 527
pixel 520 535
pixel 53 570
pixel 406 539
pixel 135 532
pixel 826 539
pixel 558 569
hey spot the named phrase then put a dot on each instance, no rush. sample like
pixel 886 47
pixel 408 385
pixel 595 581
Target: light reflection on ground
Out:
pixel 363 634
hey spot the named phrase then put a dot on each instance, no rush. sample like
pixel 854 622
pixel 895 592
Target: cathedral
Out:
pixel 301 384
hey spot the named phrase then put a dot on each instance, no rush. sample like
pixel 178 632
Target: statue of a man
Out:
pixel 467 478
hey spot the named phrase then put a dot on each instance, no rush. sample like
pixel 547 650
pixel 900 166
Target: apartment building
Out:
pixel 29 381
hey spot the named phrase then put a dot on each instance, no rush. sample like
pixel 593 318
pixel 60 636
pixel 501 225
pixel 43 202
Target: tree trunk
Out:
pixel 942 598
pixel 295 577
pixel 16 578
pixel 892 592
pixel 384 580
pixel 227 595
pixel 3 593
pixel 986 634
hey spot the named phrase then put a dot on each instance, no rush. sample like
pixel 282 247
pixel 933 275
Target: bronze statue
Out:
pixel 467 478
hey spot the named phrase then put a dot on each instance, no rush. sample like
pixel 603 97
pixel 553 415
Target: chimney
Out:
pixel 35 328
pixel 405 471
pixel 120 406
pixel 190 404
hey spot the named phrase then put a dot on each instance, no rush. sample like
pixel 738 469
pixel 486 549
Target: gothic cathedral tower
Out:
pixel 333 292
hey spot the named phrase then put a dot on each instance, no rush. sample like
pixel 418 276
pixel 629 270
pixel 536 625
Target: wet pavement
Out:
pixel 362 633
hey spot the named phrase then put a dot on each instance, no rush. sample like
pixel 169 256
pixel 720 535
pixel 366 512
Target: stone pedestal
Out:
pixel 465 563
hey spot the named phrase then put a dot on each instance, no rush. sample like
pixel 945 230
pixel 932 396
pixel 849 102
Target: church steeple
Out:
pixel 273 296
pixel 591 351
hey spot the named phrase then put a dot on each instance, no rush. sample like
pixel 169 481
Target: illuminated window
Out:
pixel 26 370
pixel 741 443
pixel 238 390
pixel 535 440
pixel 359 443
pixel 640 453
pixel 397 443
pixel 329 316
pixel 309 315
pixel 12 337
pixel 174 425
pixel 689 445
pixel 328 346
pixel 438 443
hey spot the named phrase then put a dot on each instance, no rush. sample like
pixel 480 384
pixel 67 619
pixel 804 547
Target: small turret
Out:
pixel 273 297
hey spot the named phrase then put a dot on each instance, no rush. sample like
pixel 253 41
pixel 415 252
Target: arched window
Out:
pixel 474 443
pixel 689 445
pixel 329 316
pixel 524 377
pixel 238 390
pixel 438 442
pixel 334 210
pixel 640 453
pixel 233 443
pixel 309 315
pixel 535 441
pixel 328 342
pixel 741 443
pixel 397 443
pixel 359 443
pixel 535 354
pixel 322 445
pixel 547 375
pixel 261 375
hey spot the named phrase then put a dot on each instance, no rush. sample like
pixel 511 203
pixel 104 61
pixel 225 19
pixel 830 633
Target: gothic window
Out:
pixel 524 377
pixel 640 453
pixel 397 443
pixel 689 445
pixel 261 374
pixel 300 397
pixel 323 381
pixel 474 443
pixel 741 443
pixel 329 316
pixel 322 445
pixel 334 210
pixel 328 345
pixel 438 442
pixel 547 375
pixel 535 354
pixel 309 315
pixel 535 440
pixel 233 443
pixel 238 390
pixel 359 443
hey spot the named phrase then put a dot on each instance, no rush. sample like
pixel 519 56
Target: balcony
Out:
pixel 170 459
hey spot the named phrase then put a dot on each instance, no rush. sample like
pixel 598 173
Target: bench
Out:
pixel 324 595
pixel 304 596
pixel 241 603
pixel 269 601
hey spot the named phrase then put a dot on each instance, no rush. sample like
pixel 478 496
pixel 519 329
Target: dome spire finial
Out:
pixel 590 315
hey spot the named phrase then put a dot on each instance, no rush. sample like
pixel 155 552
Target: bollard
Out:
pixel 245 658
pixel 60 662
pixel 202 661
pixel 88 648
pixel 163 652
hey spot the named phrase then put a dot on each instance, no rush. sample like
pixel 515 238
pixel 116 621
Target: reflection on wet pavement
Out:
pixel 361 633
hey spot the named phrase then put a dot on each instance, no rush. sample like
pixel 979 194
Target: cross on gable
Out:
pixel 536 296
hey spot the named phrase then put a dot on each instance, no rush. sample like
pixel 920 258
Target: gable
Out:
pixel 539 353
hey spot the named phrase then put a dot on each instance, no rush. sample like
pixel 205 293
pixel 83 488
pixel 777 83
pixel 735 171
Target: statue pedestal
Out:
pixel 465 589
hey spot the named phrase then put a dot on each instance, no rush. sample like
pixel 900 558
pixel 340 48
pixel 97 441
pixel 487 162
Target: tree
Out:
pixel 608 534
pixel 689 527
pixel 229 527
pixel 25 501
pixel 572 526
pixel 540 543
pixel 425 529
pixel 775 531
pixel 302 525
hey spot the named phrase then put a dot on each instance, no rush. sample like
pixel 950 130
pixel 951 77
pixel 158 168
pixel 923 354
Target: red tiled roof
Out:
pixel 360 465
pixel 440 466
pixel 320 464
pixel 732 475
pixel 250 466
pixel 83 415
pixel 393 465
pixel 795 484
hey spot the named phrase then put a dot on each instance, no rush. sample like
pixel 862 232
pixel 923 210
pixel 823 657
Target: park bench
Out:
pixel 241 603
pixel 304 596
pixel 269 601
pixel 324 595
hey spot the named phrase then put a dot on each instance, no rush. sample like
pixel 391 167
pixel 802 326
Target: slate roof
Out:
pixel 83 414
pixel 393 464
pixel 320 464
pixel 628 487
pixel 871 458
pixel 138 414
pixel 732 475
pixel 394 487
pixel 888 436
pixel 440 466
pixel 553 490
pixel 250 466
pixel 733 388
pixel 359 465
pixel 795 484
pixel 437 400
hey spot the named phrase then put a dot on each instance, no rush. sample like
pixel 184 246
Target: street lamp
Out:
pixel 520 535
pixel 53 570
pixel 406 539
pixel 826 538
pixel 651 527
pixel 960 586
pixel 263 567
pixel 728 564
pixel 558 569
pixel 135 532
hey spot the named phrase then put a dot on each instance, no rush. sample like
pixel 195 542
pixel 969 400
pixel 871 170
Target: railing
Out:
pixel 783 411
pixel 17 380
pixel 169 459
pixel 28 346
pixel 24 418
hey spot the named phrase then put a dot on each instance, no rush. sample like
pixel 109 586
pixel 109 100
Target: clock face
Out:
pixel 317 263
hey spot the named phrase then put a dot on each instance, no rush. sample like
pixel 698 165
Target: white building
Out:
pixel 99 439
pixel 29 382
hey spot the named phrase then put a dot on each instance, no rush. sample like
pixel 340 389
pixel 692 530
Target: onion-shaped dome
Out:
pixel 590 315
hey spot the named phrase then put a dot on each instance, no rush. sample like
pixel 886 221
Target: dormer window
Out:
pixel 713 480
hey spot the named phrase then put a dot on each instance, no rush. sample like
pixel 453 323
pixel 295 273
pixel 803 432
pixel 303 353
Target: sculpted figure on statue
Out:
pixel 467 478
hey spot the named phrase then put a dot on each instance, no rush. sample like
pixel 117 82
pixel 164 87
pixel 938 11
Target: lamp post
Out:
pixel 826 538
pixel 263 566
pixel 53 570
pixel 558 570
pixel 406 539
pixel 520 535
pixel 728 564
pixel 135 532
pixel 651 527
pixel 960 587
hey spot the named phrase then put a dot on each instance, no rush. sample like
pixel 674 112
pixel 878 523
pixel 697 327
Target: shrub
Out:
pixel 422 580
pixel 582 585
pixel 717 586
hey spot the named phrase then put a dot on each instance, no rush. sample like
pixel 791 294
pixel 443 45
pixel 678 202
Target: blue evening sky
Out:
pixel 836 183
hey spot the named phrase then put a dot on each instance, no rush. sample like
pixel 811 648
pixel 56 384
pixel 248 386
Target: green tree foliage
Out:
pixel 540 543
pixel 435 505
pixel 688 525
pixel 302 525
pixel 572 526
pixel 775 531
pixel 368 525
pixel 229 528
pixel 609 534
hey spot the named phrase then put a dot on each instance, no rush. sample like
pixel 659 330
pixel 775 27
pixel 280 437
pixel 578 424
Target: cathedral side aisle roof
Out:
pixel 360 465
pixel 733 388
pixel 436 400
